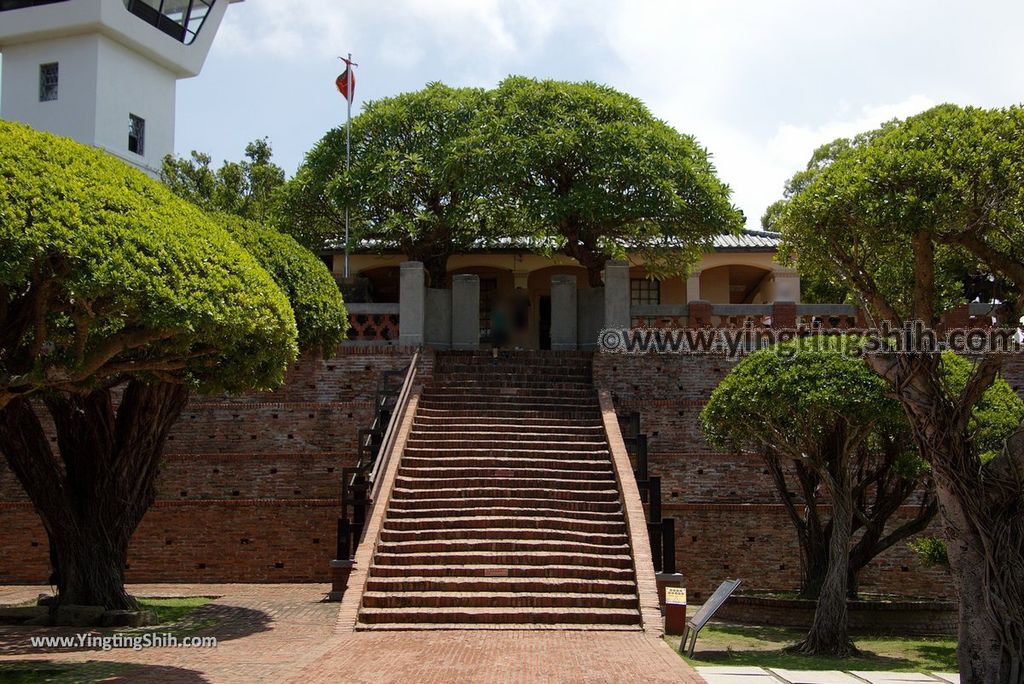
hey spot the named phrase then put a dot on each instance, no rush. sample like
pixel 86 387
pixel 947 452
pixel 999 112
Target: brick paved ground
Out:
pixel 275 633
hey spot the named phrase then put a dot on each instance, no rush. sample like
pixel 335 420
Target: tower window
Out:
pixel 136 134
pixel 48 77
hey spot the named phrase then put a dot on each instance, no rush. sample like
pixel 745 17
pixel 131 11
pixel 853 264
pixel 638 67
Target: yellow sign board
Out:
pixel 675 595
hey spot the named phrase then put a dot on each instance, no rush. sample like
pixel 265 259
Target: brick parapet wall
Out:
pixel 249 485
pixel 729 519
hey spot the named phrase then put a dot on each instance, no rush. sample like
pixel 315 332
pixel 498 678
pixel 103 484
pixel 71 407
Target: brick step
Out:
pixel 462 544
pixel 487 406
pixel 597 463
pixel 520 557
pixel 497 599
pixel 490 413
pixel 524 443
pixel 513 422
pixel 466 534
pixel 491 616
pixel 577 487
pixel 484 627
pixel 454 524
pixel 493 572
pixel 507 452
pixel 478 389
pixel 527 472
pixel 528 382
pixel 498 377
pixel 487 506
pixel 506 493
pixel 501 584
pixel 431 427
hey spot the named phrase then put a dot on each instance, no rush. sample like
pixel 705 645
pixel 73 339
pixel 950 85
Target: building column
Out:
pixel 466 311
pixel 786 285
pixel 563 312
pixel 616 295
pixel 412 294
pixel 693 287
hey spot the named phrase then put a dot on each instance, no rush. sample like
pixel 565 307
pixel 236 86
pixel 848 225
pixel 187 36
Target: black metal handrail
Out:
pixel 357 482
pixel 660 530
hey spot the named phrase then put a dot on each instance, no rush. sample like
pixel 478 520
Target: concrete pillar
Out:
pixel 785 285
pixel 466 311
pixel 412 296
pixel 693 287
pixel 563 312
pixel 616 295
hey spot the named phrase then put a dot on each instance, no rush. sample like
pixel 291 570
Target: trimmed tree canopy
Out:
pixel 592 168
pixel 406 189
pixel 105 274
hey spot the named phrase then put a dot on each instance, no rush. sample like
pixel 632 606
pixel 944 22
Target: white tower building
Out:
pixel 104 72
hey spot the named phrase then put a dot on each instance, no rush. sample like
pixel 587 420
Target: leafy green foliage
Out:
pixel 105 274
pixel 593 169
pixel 995 416
pixel 903 214
pixel 251 188
pixel 931 550
pixel 406 188
pixel 793 397
pixel 319 310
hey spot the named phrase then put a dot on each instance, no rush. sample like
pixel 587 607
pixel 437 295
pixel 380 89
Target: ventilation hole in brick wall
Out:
pixel 700 471
pixel 725 566
pixel 311 415
pixel 675 495
pixel 764 472
pixel 296 491
pixel 234 416
pixel 904 568
pixel 184 493
pixel 350 415
pixel 216 471
pixel 291 436
pixel 330 469
pixel 234 492
pixel 252 436
pixel 782 567
pixel 680 413
pixel 200 566
pixel 127 566
pixel 750 539
pixel 330 368
pixel 274 416
pixel 168 542
pixel 170 438
pixel 273 471
pixel 278 565
pixel 694 539
pixel 316 540
pixel 244 540
pixel 35 543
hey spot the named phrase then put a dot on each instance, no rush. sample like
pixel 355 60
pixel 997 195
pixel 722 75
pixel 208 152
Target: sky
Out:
pixel 759 83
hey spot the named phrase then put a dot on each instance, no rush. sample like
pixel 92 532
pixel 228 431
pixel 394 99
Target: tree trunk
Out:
pixel 92 493
pixel 830 630
pixel 437 270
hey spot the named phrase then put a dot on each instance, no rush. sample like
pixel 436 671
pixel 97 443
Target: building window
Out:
pixel 180 19
pixel 48 76
pixel 136 134
pixel 643 292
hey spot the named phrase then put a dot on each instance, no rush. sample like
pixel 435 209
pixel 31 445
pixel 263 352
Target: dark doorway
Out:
pixel 544 324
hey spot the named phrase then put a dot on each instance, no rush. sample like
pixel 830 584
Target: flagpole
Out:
pixel 348 147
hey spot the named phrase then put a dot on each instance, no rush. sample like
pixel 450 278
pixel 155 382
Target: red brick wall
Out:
pixel 249 486
pixel 729 518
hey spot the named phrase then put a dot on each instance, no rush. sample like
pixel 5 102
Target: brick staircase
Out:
pixel 505 512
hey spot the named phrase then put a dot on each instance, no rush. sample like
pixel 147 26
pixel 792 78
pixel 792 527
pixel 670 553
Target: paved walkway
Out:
pixel 280 633
pixel 759 675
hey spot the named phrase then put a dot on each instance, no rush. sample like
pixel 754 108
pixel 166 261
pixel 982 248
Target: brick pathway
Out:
pixel 276 633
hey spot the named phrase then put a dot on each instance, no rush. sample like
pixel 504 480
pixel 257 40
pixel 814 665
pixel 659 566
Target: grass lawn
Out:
pixel 725 644
pixel 176 616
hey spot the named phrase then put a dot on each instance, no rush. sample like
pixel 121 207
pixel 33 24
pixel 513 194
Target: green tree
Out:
pixel 117 300
pixel 407 189
pixel 897 215
pixel 250 188
pixel 595 175
pixel 822 414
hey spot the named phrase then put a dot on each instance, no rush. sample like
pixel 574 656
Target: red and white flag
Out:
pixel 346 81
